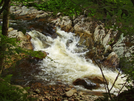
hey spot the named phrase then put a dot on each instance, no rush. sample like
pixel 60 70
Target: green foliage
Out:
pixel 22 2
pixel 127 65
pixel 9 92
pixel 0 29
pixel 95 8
pixel 8 48
pixel 66 7
pixel 11 49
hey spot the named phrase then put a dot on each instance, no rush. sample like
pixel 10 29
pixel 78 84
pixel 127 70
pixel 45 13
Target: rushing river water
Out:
pixel 66 60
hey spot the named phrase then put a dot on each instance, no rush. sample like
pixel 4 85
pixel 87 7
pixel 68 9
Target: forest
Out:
pixel 115 14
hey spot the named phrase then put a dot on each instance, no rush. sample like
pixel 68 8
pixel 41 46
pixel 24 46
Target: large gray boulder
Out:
pixel 122 49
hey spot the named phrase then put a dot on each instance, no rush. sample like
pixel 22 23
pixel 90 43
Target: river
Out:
pixel 66 61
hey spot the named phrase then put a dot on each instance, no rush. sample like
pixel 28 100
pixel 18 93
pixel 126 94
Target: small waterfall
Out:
pixel 66 61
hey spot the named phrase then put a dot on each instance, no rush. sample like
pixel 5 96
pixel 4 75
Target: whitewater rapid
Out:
pixel 65 60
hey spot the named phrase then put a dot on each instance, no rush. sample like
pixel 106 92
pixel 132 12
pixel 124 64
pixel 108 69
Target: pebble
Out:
pixel 70 92
pixel 37 91
pixel 10 29
pixel 75 94
pixel 67 89
pixel 80 93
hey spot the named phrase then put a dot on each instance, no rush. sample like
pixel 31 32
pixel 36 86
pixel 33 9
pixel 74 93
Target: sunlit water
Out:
pixel 66 61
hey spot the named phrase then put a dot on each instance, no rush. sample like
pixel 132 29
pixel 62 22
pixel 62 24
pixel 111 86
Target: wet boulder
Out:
pixel 12 33
pixel 83 24
pixel 124 46
pixel 64 22
pixel 91 82
pixel 26 12
pixel 112 61
pixel 101 36
pixel 97 79
pixel 96 52
pixel 108 49
pixel 85 39
pixel 24 39
pixel 91 54
pixel 86 83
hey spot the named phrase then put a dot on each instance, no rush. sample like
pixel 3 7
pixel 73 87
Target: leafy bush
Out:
pixel 9 92
pixel 127 66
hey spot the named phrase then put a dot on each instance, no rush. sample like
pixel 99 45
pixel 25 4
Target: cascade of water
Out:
pixel 66 60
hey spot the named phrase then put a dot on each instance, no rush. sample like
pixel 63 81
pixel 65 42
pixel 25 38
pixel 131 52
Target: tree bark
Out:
pixel 5 26
pixel 4 3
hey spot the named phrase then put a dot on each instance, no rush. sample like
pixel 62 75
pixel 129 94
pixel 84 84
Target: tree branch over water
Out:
pixel 107 89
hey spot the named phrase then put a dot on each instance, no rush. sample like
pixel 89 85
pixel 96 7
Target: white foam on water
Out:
pixel 66 60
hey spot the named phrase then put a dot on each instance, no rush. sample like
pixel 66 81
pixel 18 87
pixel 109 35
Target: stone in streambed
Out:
pixel 104 36
pixel 85 39
pixel 64 22
pixel 24 39
pixel 24 11
pixel 112 61
pixel 83 24
pixel 42 15
pixel 10 29
pixel 108 49
pixel 12 33
pixel 91 82
pixel 86 83
pixel 70 92
pixel 97 79
pixel 37 91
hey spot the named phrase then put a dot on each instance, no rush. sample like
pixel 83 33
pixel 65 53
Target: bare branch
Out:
pixel 115 80
pixel 122 87
pixel 107 89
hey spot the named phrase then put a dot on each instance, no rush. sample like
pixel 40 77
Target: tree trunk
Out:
pixel 5 26
pixel 6 18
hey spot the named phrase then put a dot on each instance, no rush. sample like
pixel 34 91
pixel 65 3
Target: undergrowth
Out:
pixel 9 92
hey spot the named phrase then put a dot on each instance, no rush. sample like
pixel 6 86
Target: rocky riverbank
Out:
pixel 94 37
pixel 38 89
pixel 61 93
pixel 103 43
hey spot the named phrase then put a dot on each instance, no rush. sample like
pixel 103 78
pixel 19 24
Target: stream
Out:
pixel 65 61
